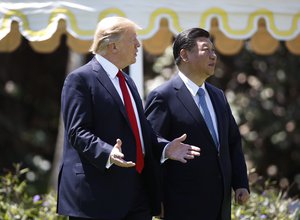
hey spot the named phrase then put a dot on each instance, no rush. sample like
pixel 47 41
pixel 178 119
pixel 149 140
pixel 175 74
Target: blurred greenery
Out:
pixel 30 85
pixel 266 201
pixel 264 94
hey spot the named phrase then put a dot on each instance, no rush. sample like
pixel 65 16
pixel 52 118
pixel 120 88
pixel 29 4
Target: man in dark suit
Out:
pixel 201 188
pixel 108 170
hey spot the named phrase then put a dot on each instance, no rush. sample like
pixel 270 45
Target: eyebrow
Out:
pixel 206 44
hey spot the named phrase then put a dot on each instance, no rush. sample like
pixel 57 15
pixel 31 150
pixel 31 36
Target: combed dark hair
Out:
pixel 187 40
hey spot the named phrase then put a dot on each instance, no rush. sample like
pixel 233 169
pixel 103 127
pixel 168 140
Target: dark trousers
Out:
pixel 141 212
pixel 140 209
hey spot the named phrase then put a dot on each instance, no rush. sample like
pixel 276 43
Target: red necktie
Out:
pixel 133 122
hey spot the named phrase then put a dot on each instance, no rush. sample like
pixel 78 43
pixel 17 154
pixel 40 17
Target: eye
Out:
pixel 209 50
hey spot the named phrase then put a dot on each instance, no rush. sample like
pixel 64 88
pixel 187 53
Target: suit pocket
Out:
pixel 78 169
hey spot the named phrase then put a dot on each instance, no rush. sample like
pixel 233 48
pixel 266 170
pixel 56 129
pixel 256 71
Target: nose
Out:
pixel 213 55
pixel 137 43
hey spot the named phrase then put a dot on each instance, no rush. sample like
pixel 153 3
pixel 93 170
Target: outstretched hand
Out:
pixel 179 151
pixel 116 156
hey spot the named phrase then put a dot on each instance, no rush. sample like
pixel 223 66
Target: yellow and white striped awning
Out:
pixel 231 22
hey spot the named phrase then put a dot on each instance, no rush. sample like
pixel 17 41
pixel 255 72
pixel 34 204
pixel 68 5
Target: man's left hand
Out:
pixel 241 196
pixel 179 151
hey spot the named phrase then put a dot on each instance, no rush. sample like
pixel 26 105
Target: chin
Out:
pixel 210 74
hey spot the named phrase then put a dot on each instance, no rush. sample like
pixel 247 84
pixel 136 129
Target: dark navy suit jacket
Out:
pixel 94 117
pixel 201 188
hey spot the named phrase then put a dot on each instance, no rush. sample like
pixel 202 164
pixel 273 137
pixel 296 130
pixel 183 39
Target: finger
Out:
pixel 244 197
pixel 194 148
pixel 241 201
pixel 118 143
pixel 189 157
pixel 181 138
pixel 182 160
pixel 240 198
pixel 194 153
pixel 123 163
pixel 128 164
pixel 118 154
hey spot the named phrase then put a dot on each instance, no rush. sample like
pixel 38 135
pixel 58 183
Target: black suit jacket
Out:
pixel 94 117
pixel 201 188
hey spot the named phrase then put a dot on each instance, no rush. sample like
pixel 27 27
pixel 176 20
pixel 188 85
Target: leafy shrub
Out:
pixel 266 202
pixel 268 206
pixel 15 203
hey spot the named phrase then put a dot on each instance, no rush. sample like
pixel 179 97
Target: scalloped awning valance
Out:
pixel 231 22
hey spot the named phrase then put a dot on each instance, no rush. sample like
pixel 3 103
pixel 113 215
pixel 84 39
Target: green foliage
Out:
pixel 15 203
pixel 269 205
pixel 266 202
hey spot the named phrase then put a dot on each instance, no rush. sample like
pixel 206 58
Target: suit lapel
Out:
pixel 104 79
pixel 188 102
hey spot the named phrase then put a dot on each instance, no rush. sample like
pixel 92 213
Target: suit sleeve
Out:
pixel 78 120
pixel 239 169
pixel 156 111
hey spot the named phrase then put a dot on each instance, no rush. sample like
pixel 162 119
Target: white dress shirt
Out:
pixel 193 88
pixel 112 71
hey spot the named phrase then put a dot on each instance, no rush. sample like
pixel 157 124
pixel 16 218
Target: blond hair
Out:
pixel 110 30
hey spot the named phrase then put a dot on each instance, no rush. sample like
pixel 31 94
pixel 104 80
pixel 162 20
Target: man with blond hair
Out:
pixel 108 170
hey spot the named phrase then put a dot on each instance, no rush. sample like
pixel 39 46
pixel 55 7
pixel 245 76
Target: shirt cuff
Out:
pixel 108 163
pixel 163 155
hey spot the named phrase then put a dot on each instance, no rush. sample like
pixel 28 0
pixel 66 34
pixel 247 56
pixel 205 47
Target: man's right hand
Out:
pixel 116 156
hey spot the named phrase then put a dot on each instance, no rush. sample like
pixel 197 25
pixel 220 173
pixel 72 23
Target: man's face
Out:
pixel 128 47
pixel 202 58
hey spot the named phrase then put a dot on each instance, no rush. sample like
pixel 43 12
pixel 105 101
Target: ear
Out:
pixel 113 47
pixel 183 54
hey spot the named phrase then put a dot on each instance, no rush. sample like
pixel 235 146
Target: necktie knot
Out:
pixel 120 75
pixel 201 92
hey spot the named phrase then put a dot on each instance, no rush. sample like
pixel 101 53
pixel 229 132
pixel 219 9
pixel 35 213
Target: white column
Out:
pixel 137 72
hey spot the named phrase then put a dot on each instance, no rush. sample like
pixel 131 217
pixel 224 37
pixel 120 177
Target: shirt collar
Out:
pixel 108 66
pixel 191 86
